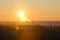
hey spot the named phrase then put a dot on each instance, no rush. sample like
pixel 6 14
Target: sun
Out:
pixel 23 18
pixel 21 14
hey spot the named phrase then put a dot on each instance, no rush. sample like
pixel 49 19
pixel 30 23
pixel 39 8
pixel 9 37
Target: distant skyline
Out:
pixel 36 10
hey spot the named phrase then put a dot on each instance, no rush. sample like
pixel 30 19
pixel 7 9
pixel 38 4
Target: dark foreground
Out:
pixel 29 32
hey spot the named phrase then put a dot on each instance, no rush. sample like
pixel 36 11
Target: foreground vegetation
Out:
pixel 39 32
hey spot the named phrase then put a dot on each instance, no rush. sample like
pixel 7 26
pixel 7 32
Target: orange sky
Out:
pixel 36 10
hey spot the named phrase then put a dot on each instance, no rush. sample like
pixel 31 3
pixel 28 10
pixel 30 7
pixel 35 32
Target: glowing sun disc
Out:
pixel 21 14
pixel 23 18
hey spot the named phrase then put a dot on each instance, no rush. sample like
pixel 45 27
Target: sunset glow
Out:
pixel 23 18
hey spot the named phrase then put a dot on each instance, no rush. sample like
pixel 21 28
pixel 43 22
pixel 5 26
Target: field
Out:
pixel 29 32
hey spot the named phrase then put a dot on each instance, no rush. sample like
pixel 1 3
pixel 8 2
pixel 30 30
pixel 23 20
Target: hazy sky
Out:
pixel 36 10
